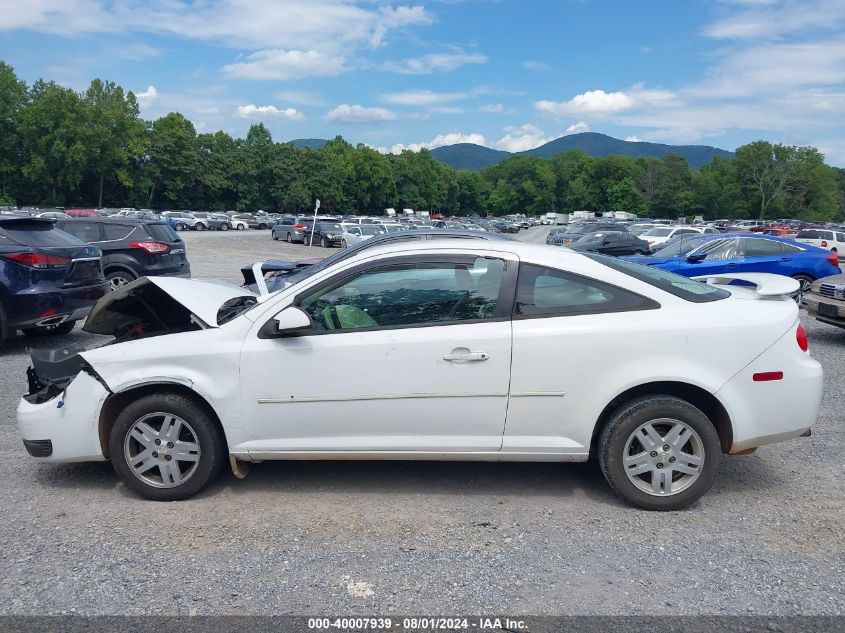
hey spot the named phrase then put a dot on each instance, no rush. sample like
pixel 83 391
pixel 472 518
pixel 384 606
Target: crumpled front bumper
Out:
pixel 69 421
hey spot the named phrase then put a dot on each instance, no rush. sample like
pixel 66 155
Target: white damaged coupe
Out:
pixel 478 351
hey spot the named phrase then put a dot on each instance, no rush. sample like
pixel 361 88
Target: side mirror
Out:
pixel 289 321
pixel 694 258
pixel 605 242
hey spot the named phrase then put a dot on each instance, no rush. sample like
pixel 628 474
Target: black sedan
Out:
pixel 610 243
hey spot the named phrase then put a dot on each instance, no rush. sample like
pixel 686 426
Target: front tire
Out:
pixel 224 227
pixel 659 452
pixel 165 447
pixel 324 242
pixel 275 237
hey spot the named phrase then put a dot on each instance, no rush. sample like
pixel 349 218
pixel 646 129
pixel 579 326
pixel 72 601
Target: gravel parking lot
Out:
pixel 421 537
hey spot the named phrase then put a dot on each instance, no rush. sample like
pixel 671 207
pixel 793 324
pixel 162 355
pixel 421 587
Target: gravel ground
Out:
pixel 421 537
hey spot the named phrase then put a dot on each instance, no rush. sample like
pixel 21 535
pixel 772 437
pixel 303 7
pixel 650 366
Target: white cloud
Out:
pixel 492 107
pixel 268 112
pixel 292 24
pixel 359 114
pixel 283 65
pixel 521 138
pixel 762 19
pixel 146 98
pixel 577 128
pixel 423 97
pixel 590 102
pixel 633 139
pixel 137 51
pixel 536 66
pixel 440 140
pixel 435 62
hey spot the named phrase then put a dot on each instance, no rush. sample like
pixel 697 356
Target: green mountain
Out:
pixel 475 157
pixel 469 156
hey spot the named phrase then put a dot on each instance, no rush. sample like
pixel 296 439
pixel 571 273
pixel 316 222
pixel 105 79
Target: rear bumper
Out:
pixel 811 301
pixel 69 422
pixel 33 307
pixel 774 411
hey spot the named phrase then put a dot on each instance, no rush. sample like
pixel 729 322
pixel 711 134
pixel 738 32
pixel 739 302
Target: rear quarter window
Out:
pixel 162 233
pixel 681 287
pixel 116 232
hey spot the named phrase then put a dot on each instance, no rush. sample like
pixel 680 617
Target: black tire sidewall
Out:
pixel 625 421
pixel 210 437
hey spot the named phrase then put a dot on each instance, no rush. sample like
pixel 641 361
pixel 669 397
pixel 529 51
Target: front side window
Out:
pixel 402 295
pixel 720 249
pixel 544 291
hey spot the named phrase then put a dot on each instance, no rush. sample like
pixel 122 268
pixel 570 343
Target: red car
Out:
pixel 81 213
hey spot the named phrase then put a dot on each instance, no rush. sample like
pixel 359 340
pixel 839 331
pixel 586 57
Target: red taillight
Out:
pixel 834 259
pixel 765 376
pixel 801 337
pixel 151 247
pixel 824 243
pixel 38 260
pixel 299 226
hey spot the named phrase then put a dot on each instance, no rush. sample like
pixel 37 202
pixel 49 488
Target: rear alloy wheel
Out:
pixel 659 452
pixel 288 239
pixel 180 227
pixel 224 227
pixel 241 227
pixel 343 243
pixel 199 226
pixel 119 278
pixel 50 330
pixel 805 282
pixel 262 226
pixel 165 447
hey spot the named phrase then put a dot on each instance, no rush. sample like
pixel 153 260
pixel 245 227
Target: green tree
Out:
pixel 171 162
pixel 115 133
pixel 13 97
pixel 53 133
pixel 767 170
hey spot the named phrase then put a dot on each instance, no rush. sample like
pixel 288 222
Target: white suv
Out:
pixel 824 238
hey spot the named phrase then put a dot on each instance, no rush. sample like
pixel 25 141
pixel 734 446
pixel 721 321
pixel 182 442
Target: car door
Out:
pixel 765 256
pixel 561 325
pixel 410 353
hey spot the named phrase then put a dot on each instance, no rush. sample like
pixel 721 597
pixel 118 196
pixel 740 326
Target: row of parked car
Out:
pixel 811 258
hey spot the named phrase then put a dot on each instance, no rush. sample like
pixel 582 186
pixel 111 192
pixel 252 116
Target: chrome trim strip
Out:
pixel 537 394
pixel 398 396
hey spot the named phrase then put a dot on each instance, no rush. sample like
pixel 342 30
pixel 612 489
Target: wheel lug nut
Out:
pixel 155 455
pixel 157 442
pixel 671 460
pixel 666 447
pixel 660 465
pixel 167 458
pixel 653 453
pixel 170 445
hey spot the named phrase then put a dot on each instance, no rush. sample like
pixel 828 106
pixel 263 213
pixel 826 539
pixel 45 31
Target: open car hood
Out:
pixel 169 304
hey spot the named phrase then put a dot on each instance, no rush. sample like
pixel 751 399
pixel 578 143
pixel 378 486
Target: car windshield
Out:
pixel 679 246
pixel 369 229
pixel 578 229
pixel 639 230
pixel 660 232
pixel 326 226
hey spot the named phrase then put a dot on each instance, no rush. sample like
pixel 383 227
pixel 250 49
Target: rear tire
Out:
pixel 806 281
pixel 274 236
pixel 162 425
pixel 119 278
pixel 653 444
pixel 224 227
pixel 262 226
pixel 241 227
pixel 199 226
pixel 56 330
pixel 288 239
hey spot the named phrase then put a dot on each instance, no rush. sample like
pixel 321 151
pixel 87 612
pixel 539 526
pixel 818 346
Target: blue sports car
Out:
pixel 744 253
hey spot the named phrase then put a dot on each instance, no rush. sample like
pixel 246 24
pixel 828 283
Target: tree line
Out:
pixel 60 147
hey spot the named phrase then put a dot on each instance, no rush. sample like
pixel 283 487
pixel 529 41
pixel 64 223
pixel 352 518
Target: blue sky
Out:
pixel 509 74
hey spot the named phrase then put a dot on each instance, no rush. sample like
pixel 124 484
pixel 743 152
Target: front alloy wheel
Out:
pixel 659 452
pixel 165 446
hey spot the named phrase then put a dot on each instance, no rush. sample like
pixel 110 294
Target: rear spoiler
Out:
pixel 766 284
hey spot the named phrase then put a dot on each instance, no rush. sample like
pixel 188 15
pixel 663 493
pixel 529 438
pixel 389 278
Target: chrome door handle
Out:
pixel 462 354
